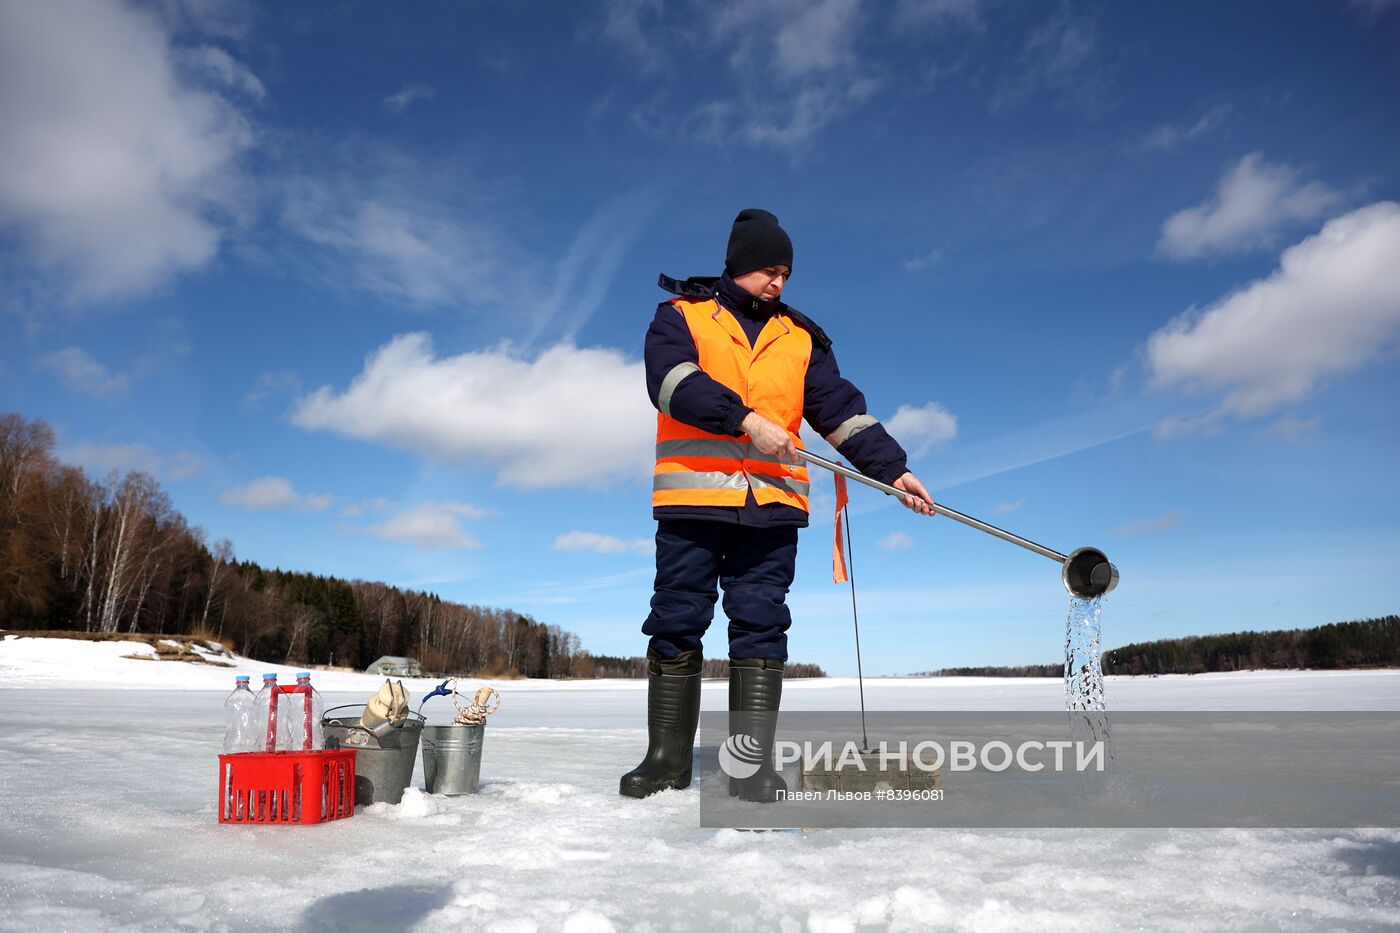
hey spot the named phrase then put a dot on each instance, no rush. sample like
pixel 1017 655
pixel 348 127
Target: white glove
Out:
pixel 386 709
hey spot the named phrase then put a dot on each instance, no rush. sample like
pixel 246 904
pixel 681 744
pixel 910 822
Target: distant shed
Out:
pixel 388 666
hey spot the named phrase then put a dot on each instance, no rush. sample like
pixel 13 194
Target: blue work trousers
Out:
pixel 753 565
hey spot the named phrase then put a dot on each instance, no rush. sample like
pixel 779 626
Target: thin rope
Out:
pixel 855 617
pixel 482 705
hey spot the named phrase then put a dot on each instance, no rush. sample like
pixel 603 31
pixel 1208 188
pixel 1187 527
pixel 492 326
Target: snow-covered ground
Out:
pixel 107 821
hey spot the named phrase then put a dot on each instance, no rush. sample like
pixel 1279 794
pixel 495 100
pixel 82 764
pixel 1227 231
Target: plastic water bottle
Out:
pixel 241 732
pixel 263 710
pixel 297 719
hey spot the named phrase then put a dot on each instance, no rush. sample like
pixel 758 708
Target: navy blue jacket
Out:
pixel 831 405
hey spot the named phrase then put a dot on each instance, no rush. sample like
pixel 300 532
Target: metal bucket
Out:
pixel 452 759
pixel 383 764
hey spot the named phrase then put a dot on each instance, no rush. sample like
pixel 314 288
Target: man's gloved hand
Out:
pixel 768 437
pixel 918 499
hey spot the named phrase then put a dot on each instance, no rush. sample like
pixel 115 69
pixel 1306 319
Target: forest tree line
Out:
pixel 1363 643
pixel 115 556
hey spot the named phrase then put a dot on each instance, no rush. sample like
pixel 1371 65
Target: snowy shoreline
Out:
pixel 52 662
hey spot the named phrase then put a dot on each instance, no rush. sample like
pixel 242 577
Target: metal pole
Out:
pixel 855 617
pixel 968 520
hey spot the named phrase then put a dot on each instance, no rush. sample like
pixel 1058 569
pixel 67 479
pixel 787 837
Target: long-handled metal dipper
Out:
pixel 1086 572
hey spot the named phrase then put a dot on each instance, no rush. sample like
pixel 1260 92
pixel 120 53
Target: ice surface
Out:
pixel 107 821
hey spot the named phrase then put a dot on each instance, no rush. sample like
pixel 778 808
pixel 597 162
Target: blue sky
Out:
pixel 366 288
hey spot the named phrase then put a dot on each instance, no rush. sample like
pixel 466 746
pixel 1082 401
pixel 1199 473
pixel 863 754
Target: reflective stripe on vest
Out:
pixel 705 447
pixel 696 479
pixel 695 467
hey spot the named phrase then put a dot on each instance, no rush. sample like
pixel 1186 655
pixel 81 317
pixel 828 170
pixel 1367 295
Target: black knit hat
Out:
pixel 756 242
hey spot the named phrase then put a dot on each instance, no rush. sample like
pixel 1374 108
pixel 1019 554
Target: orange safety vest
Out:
pixel 695 467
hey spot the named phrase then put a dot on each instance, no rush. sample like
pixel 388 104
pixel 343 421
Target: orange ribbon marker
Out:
pixel 838 550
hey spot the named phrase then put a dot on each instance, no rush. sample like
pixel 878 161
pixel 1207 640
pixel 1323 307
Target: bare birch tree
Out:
pixel 222 554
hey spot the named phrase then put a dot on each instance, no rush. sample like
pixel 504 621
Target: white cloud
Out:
pixel 1150 526
pixel 385 237
pixel 1294 430
pixel 397 103
pixel 582 276
pixel 913 14
pixel 815 76
pixel 432 525
pixel 921 261
pixel 1059 58
pixel 1254 203
pixel 806 37
pixel 226 19
pixel 919 429
pixel 271 385
pixel 896 541
pixel 77 369
pixel 1175 427
pixel 1169 137
pixel 422 234
pixel 1374 8
pixel 631 24
pixel 570 417
pixel 356 509
pixel 812 71
pixel 274 492
pixel 1105 423
pixel 1062 45
pixel 217 65
pixel 795 122
pixel 101 459
pixel 603 544
pixel 1332 305
pixel 1006 508
pixel 116 173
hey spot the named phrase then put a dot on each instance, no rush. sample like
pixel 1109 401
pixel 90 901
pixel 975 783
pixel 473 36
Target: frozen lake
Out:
pixel 107 821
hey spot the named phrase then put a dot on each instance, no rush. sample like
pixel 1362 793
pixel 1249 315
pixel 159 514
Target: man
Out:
pixel 733 372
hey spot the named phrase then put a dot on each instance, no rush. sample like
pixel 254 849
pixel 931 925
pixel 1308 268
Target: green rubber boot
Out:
pixel 755 690
pixel 673 712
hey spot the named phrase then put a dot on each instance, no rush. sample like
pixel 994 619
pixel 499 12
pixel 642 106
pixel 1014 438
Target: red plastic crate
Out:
pixel 287 787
